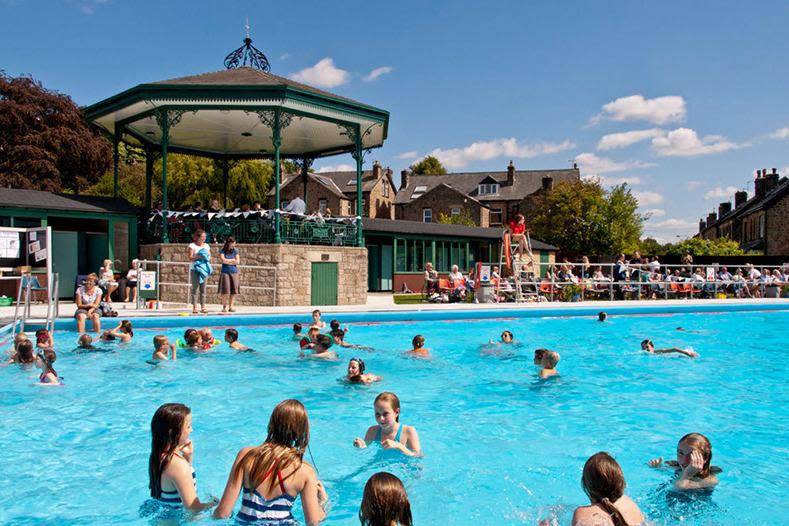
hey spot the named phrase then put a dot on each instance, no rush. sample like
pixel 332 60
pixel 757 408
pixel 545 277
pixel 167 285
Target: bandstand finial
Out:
pixel 247 55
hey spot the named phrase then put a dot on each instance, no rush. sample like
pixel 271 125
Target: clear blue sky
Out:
pixel 706 83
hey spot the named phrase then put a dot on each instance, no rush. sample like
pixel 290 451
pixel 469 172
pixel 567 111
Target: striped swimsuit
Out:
pixel 256 509
pixel 172 498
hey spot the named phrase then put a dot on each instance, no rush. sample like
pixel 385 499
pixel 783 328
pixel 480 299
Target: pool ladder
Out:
pixel 27 284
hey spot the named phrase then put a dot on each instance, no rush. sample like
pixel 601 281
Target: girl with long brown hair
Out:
pixel 44 361
pixel 693 464
pixel 171 477
pixel 385 502
pixel 389 432
pixel 274 473
pixel 604 484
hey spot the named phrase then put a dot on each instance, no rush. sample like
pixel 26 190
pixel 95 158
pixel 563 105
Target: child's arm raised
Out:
pixel 686 480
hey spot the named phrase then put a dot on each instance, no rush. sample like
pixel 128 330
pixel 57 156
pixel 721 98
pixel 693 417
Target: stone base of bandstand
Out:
pixel 288 285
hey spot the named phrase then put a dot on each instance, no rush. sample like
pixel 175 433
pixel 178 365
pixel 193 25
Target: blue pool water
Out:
pixel 501 447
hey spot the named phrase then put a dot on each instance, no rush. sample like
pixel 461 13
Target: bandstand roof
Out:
pixel 218 116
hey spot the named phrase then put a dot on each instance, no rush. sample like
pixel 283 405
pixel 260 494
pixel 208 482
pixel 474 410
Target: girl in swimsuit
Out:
pixel 171 477
pixel 44 361
pixel 44 339
pixel 389 431
pixel 123 332
pixel 356 374
pixel 604 484
pixel 694 454
pixel 385 502
pixel 274 473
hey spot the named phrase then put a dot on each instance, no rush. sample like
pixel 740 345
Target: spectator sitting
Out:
pixel 214 206
pixel 456 278
pixel 687 259
pixel 245 207
pixel 107 280
pixel 654 265
pixel 740 284
pixel 296 206
pixel 517 230
pixel 585 266
pixel 599 276
pixel 256 207
pixel 431 278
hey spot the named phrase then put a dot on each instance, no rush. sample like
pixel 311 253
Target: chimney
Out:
pixel 404 176
pixel 510 174
pixel 376 170
pixel 547 183
pixel 740 198
pixel 770 180
pixel 702 225
pixel 711 218
pixel 724 208
pixel 758 184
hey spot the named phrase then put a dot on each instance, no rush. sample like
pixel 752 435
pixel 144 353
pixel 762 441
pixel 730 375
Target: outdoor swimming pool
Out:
pixel 501 447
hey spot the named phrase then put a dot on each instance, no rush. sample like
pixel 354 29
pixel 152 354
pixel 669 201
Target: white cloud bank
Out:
pixel 592 166
pixel 647 198
pixel 684 142
pixel 377 72
pixel 720 193
pixel 660 110
pixel 780 133
pixel 413 154
pixel 655 212
pixel 614 141
pixel 324 74
pixel 454 158
pixel 337 168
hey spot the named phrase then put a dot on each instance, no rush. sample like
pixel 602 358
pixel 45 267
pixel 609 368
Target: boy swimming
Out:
pixel 231 337
pixel 163 349
pixel 419 350
pixel 649 347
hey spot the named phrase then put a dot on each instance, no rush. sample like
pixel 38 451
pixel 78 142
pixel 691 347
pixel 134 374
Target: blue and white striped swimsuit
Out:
pixel 256 509
pixel 172 498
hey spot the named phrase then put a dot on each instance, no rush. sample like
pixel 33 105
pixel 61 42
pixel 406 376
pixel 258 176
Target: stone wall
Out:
pixel 293 265
pixel 777 228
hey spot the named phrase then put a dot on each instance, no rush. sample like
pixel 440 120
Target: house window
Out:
pixel 385 189
pixel 322 204
pixel 455 211
pixel 355 212
pixel 418 191
pixel 427 215
pixel 488 189
pixel 495 216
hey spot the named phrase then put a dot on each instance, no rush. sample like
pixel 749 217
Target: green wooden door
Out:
pixel 65 261
pixel 545 257
pixel 323 284
pixel 373 268
pixel 386 267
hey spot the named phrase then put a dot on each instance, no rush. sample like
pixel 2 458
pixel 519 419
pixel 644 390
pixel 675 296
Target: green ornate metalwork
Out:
pixel 247 54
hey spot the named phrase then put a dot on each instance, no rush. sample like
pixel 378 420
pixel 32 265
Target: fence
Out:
pixel 250 227
pixel 603 281
pixel 174 284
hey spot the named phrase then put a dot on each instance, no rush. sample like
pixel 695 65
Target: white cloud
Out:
pixel 592 165
pixel 692 185
pixel 675 224
pixel 647 198
pixel 284 56
pixel 720 193
pixel 337 168
pixel 377 72
pixel 670 229
pixel 484 150
pixel 660 110
pixel 413 154
pixel 323 74
pixel 780 133
pixel 655 212
pixel 784 171
pixel 613 141
pixel 613 181
pixel 684 142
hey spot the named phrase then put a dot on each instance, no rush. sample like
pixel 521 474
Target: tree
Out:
pixel 463 218
pixel 704 247
pixel 428 166
pixel 45 144
pixel 581 217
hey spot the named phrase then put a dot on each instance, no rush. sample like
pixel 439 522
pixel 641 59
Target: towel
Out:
pixel 202 265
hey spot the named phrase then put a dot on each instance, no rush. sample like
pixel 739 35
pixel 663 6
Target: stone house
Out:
pixel 759 223
pixel 336 191
pixel 504 194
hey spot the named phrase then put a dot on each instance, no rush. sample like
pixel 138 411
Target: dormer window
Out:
pixel 488 189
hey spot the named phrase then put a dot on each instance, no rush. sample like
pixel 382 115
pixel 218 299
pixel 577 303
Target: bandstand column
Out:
pixel 164 124
pixel 115 159
pixel 277 140
pixel 148 175
pixel 225 177
pixel 359 157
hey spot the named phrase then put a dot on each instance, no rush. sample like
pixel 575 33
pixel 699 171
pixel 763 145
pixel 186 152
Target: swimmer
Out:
pixel 231 337
pixel 320 349
pixel 339 339
pixel 297 334
pixel 85 341
pixel 356 374
pixel 604 484
pixel 602 316
pixel 163 349
pixel 548 362
pixel 171 476
pixel 649 347
pixel 419 349
pixel 208 338
pixel 44 339
pixel 385 502
pixel 24 353
pixel 195 341
pixel 538 355
pixel 389 431
pixel 123 332
pixel 13 352
pixel 692 467
pixel 316 320
pixel 44 360
pixel 334 325
pixel 507 337
pixel 312 334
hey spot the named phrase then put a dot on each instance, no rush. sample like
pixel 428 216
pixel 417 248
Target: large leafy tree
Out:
pixel 581 217
pixel 430 165
pixel 704 247
pixel 45 144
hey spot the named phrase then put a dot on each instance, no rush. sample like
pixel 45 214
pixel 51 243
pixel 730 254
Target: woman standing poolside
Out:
pixel 87 298
pixel 200 256
pixel 274 473
pixel 228 278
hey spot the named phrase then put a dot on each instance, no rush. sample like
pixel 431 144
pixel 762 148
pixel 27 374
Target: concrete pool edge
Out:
pixel 151 319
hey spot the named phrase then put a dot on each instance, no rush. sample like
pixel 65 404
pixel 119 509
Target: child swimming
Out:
pixel 389 431
pixel 649 347
pixel 123 332
pixel 24 353
pixel 171 477
pixel 694 454
pixel 163 349
pixel 507 337
pixel 208 338
pixel 85 341
pixel 297 334
pixel 385 502
pixel 195 341
pixel 604 484
pixel 356 374
pixel 320 349
pixel 44 360
pixel 419 349
pixel 44 339
pixel 316 320
pixel 548 363
pixel 231 337
pixel 602 316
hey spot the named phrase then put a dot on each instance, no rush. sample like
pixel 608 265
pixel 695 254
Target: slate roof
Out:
pixel 337 182
pixel 245 76
pixel 755 203
pixel 399 226
pixel 318 178
pixel 40 200
pixel 526 182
